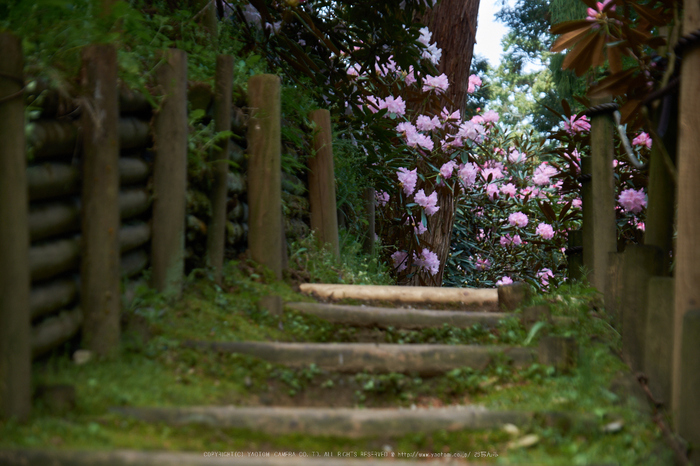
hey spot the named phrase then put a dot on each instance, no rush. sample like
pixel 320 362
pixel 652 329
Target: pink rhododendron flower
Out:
pixel 382 197
pixel 574 125
pixel 399 259
pixel 439 84
pixel 642 139
pixel 374 104
pixel 408 179
pixel 544 275
pixel 447 169
pixel 509 189
pixel 482 264
pixel 633 200
pixel 598 15
pixel 418 139
pixel 420 228
pixel 354 70
pixel 406 127
pixel 446 115
pixel 494 173
pixel 474 81
pixel 543 173
pixel 471 130
pixel 518 219
pixel 425 36
pixel 467 173
pixel 517 241
pixel 507 241
pixel 491 116
pixel 641 226
pixel 429 203
pixel 478 120
pixel 516 156
pixel 576 203
pixel 545 231
pixel 394 105
pixel 492 190
pixel 429 261
pixel 425 123
pixel 410 76
pixel 506 280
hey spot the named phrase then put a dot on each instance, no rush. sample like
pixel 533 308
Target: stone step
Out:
pixel 213 458
pixel 382 317
pixel 334 422
pixel 421 359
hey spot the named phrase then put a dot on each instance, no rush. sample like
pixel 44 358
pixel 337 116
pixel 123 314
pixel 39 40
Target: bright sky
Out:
pixel 489 32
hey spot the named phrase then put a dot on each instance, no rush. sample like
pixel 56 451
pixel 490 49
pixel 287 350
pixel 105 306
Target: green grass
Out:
pixel 152 369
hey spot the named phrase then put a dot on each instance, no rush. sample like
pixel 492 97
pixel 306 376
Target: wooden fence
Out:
pixel 104 197
pixel 657 313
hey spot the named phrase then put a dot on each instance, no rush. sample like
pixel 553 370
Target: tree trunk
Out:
pixel 453 24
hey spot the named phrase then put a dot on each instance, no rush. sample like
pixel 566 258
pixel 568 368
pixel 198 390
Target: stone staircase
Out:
pixel 414 308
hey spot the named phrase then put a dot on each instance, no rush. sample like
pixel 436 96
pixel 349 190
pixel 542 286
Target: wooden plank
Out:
pixel 362 357
pixel 15 360
pixel 404 294
pixel 383 317
pixel 338 422
pixel 55 330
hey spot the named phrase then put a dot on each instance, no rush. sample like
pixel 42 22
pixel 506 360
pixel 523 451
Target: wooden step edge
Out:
pixel 422 359
pixel 413 319
pixel 215 458
pixel 332 422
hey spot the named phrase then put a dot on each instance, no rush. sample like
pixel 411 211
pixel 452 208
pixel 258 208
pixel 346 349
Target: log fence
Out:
pixel 94 172
pixel 656 313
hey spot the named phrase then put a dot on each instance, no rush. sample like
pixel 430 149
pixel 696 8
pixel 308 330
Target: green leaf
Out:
pixel 533 332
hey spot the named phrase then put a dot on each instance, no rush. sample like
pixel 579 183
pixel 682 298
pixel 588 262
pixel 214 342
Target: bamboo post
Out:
pixel 324 217
pixel 265 172
pixel 99 270
pixel 602 197
pixel 370 202
pixel 15 344
pixel 216 233
pixel 687 271
pixel 170 176
pixel 639 264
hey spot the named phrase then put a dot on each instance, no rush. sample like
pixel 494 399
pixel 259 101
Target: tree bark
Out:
pixel 453 25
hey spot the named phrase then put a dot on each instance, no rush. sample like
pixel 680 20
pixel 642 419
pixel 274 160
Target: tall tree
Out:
pixel 453 24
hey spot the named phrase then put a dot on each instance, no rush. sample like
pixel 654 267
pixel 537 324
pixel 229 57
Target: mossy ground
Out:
pixel 152 369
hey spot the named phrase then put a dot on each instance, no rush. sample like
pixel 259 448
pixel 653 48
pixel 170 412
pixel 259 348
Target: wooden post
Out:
pixel 170 176
pixel 99 270
pixel 659 335
pixel 587 209
pixel 575 255
pixel 216 233
pixel 370 202
pixel 687 270
pixel 688 419
pixel 640 263
pixel 602 197
pixel 324 218
pixel 265 172
pixel 15 344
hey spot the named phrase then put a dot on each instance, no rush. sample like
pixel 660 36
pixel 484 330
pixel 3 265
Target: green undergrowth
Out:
pixel 153 369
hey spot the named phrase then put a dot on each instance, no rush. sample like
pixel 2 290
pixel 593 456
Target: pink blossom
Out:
pixel 507 241
pixel 633 200
pixel 429 261
pixel 425 36
pixel 354 70
pixel 518 219
pixel 418 139
pixel 516 240
pixel 545 231
pixel 408 179
pixel 516 156
pixel 446 115
pixel 382 197
pixel 642 139
pixel 494 173
pixel 641 226
pixel 429 203
pixel 406 127
pixel 482 264
pixel 576 203
pixel 399 260
pixel 574 125
pixel 467 173
pixel 419 228
pixel 374 104
pixel 544 275
pixel 425 123
pixel 474 81
pixel 543 173
pixel 439 84
pixel 505 280
pixel 394 105
pixel 433 53
pixel 509 189
pixel 478 120
pixel 492 190
pixel 447 169
pixel 410 76
pixel 491 116
pixel 471 130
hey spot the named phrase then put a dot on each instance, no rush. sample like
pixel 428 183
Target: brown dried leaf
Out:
pixel 568 39
pixel 568 26
pixel 614 59
pixel 579 58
